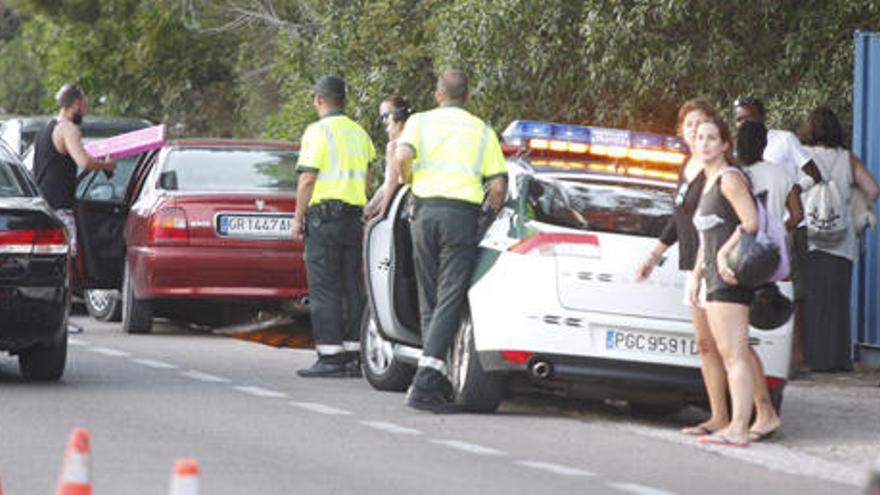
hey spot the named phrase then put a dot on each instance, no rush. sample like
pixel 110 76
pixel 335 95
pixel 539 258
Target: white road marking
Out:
pixel 638 489
pixel 767 455
pixel 109 352
pixel 155 364
pixel 77 342
pixel 555 468
pixel 391 428
pixel 205 377
pixel 260 392
pixel 321 408
pixel 471 448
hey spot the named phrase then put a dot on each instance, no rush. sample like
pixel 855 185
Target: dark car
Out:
pixel 34 289
pixel 103 305
pixel 199 230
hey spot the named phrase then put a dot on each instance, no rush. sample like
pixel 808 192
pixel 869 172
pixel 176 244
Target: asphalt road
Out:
pixel 255 427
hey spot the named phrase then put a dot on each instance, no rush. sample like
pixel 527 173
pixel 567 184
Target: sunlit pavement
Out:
pixel 253 425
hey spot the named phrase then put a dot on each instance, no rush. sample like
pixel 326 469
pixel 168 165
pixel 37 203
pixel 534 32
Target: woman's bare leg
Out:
pixel 712 369
pixel 766 418
pixel 729 323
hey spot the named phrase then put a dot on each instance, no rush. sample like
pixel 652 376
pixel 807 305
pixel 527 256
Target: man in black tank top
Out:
pixel 58 150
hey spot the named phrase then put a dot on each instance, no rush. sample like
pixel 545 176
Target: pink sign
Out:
pixel 128 144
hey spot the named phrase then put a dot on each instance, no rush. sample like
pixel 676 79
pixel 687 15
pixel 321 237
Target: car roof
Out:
pixel 232 143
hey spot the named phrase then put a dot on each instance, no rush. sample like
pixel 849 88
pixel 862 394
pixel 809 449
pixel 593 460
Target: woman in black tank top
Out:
pixel 727 208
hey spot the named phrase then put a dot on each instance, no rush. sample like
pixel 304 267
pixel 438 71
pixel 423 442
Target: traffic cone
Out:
pixel 185 479
pixel 74 479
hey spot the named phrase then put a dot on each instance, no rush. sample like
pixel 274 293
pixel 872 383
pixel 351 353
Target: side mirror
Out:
pixel 168 180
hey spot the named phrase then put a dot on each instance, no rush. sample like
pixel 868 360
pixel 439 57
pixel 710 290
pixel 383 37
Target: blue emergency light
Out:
pixel 597 141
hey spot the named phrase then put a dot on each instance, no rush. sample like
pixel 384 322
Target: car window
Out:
pixel 97 186
pixel 623 208
pixel 10 183
pixel 229 169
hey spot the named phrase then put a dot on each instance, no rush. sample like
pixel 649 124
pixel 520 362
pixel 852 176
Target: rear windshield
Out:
pixel 596 205
pixel 10 181
pixel 230 169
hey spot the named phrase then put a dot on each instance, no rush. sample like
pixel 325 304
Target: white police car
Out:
pixel 554 303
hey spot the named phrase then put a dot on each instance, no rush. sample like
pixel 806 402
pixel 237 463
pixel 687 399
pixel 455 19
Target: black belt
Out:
pixel 422 202
pixel 333 209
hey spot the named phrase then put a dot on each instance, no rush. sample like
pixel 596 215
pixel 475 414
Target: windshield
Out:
pixel 600 205
pixel 10 182
pixel 230 169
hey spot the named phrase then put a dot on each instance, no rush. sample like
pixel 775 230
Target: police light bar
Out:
pixel 596 141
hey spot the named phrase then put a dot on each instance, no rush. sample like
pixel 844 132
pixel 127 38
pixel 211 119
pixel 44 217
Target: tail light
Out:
pixel 169 226
pixel 559 244
pixel 33 241
pixel 516 357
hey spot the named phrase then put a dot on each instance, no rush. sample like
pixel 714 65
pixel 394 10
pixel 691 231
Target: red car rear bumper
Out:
pixel 166 272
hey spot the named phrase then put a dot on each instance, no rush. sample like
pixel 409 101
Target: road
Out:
pixel 257 428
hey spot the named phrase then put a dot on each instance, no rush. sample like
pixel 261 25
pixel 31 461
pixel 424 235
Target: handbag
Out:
pixel 770 308
pixel 763 256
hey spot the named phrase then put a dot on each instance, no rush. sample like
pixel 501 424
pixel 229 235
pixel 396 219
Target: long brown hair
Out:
pixel 701 104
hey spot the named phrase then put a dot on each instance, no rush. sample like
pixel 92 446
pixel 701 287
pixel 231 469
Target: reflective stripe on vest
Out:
pixel 468 172
pixel 335 172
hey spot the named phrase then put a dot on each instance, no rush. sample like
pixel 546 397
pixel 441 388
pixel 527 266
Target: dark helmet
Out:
pixel 770 309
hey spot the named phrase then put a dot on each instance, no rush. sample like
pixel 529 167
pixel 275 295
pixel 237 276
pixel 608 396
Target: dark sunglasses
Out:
pixel 746 101
pixel 384 116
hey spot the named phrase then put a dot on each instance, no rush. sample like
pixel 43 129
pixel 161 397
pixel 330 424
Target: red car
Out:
pixel 199 230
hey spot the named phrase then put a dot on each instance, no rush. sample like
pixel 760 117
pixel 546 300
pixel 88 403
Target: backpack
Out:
pixel 827 218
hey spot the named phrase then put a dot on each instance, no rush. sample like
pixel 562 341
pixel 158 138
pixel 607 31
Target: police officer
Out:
pixel 448 154
pixel 333 161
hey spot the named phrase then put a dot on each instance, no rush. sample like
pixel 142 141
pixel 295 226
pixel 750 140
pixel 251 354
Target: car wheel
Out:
pixel 103 305
pixel 44 362
pixel 137 314
pixel 475 390
pixel 381 368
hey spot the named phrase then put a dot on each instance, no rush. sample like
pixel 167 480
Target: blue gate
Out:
pixel 866 144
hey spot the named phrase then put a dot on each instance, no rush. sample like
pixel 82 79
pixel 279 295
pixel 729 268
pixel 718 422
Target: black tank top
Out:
pixel 715 220
pixel 55 173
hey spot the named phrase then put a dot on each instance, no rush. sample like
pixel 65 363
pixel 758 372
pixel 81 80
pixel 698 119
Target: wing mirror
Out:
pixel 168 180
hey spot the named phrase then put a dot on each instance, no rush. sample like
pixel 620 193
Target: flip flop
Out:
pixel 757 436
pixel 697 431
pixel 723 440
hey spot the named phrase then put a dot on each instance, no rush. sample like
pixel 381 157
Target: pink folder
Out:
pixel 128 144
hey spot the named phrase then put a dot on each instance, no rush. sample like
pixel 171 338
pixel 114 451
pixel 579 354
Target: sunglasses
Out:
pixel 384 116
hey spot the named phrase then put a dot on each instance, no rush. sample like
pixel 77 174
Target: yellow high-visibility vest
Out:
pixel 339 151
pixel 454 153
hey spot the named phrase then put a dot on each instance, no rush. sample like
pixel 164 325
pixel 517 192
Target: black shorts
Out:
pixel 732 294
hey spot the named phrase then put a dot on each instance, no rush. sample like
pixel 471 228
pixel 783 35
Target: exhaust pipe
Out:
pixel 541 370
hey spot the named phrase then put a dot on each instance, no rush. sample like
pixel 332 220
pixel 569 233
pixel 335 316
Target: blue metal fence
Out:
pixel 866 144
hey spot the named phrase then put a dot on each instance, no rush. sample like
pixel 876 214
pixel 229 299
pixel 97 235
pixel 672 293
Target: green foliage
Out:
pixel 244 67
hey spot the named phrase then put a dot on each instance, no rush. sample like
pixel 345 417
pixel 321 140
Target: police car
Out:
pixel 554 303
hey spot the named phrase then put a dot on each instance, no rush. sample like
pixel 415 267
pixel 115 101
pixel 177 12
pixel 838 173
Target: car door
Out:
pixel 102 205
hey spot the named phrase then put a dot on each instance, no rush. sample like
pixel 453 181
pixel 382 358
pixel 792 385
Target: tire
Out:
pixel 382 370
pixel 103 305
pixel 137 314
pixel 475 390
pixel 44 362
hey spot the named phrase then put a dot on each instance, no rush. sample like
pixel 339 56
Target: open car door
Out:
pixel 101 211
pixel 390 273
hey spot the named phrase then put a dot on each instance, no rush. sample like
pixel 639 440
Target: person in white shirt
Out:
pixel 784 149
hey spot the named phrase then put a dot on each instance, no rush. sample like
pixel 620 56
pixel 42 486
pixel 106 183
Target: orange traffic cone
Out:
pixel 74 479
pixel 185 479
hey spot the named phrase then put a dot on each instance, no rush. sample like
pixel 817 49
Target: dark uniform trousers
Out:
pixel 333 270
pixel 444 237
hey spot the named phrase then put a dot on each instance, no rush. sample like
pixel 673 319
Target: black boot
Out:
pixel 431 391
pixel 326 367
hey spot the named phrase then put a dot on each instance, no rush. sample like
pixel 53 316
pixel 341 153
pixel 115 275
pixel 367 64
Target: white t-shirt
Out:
pixel 772 179
pixel 784 148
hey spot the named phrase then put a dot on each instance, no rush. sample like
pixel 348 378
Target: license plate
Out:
pixel 647 343
pixel 257 226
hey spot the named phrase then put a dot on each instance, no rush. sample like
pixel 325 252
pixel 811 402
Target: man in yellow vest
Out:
pixel 448 154
pixel 334 156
